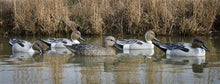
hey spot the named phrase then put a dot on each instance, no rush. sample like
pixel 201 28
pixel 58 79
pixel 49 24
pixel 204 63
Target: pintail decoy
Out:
pixel 134 44
pixel 197 48
pixel 25 46
pixel 60 42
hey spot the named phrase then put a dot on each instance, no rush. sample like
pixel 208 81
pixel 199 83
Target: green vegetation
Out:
pixel 118 17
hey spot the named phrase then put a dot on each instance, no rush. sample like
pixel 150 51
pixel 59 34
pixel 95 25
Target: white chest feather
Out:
pixel 75 42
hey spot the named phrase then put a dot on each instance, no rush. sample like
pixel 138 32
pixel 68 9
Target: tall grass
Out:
pixel 165 17
pixel 6 19
pixel 41 16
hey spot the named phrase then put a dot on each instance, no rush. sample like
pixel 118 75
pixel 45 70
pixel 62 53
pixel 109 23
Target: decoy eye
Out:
pixel 153 33
pixel 111 40
pixel 77 33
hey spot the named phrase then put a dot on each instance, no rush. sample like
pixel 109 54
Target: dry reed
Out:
pixel 41 16
pixel 165 17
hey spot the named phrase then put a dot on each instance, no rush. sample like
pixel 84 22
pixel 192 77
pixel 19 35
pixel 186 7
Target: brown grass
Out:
pixel 165 17
pixel 41 16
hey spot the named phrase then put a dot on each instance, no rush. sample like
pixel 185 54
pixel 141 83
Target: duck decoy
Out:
pixel 94 49
pixel 25 46
pixel 197 48
pixel 60 42
pixel 134 44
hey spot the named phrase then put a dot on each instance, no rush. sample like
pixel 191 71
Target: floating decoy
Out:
pixel 197 48
pixel 60 42
pixel 94 49
pixel 134 44
pixel 25 46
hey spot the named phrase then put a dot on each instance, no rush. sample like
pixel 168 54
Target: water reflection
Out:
pixel 95 69
pixel 185 60
pixel 131 70
pixel 197 63
pixel 24 57
pixel 54 68
pixel 20 56
pixel 58 52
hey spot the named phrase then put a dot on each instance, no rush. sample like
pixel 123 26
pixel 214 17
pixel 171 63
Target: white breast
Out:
pixel 75 42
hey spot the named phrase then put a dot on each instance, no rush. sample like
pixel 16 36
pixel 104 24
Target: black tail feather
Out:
pixel 163 49
pixel 120 47
pixel 9 38
pixel 44 42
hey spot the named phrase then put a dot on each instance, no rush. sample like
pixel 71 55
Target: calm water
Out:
pixel 135 67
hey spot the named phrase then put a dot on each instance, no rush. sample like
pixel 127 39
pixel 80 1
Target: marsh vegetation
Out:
pixel 102 17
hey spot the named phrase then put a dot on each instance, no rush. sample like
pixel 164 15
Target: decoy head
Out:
pixel 76 35
pixel 198 42
pixel 109 41
pixel 150 35
pixel 37 45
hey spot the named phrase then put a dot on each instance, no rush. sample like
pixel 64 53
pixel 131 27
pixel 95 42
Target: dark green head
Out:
pixel 37 45
pixel 198 42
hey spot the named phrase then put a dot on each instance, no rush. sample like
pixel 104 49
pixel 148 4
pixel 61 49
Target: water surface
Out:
pixel 134 67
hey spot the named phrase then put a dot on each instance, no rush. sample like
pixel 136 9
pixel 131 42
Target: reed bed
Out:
pixel 122 17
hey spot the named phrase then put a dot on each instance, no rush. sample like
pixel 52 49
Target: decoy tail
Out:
pixel 10 41
pixel 118 46
pixel 9 38
pixel 162 48
pixel 44 42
